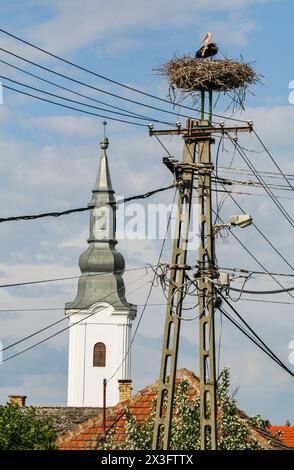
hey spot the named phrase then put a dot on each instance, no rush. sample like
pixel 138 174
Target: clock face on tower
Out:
pixel 101 223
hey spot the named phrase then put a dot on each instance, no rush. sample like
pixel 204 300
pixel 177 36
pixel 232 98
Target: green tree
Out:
pixel 234 430
pixel 21 429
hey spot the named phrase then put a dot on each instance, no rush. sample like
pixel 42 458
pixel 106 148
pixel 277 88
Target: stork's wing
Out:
pixel 199 53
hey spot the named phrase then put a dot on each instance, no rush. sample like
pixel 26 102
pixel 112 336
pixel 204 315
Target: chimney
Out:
pixel 125 389
pixel 19 400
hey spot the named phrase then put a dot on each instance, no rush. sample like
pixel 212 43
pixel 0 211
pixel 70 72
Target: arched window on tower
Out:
pixel 99 355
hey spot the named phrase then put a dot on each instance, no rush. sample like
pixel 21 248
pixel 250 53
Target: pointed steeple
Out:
pixel 101 257
pixel 103 181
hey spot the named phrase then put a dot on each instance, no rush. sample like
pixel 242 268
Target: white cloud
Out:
pixel 67 126
pixel 97 20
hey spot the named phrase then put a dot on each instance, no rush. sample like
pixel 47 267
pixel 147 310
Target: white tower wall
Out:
pixel 85 387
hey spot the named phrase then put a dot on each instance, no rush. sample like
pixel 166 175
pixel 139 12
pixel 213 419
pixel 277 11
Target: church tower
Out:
pixel 99 342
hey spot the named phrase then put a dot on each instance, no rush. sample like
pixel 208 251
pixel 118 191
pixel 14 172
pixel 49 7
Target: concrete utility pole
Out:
pixel 197 135
pixel 206 274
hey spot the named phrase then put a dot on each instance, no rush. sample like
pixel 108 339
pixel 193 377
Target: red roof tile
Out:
pixel 89 433
pixel 285 433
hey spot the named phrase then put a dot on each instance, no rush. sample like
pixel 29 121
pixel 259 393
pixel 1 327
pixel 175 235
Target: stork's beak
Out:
pixel 204 37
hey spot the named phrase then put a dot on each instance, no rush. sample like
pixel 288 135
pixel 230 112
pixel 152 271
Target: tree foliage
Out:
pixel 234 431
pixel 21 429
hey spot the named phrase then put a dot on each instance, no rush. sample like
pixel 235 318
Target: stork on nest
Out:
pixel 209 49
pixel 193 75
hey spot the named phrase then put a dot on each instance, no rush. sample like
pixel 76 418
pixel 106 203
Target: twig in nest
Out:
pixel 189 76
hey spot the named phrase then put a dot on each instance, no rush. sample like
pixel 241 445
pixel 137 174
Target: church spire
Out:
pixel 103 181
pixel 101 256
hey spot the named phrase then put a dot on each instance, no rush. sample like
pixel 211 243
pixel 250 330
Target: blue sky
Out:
pixel 49 157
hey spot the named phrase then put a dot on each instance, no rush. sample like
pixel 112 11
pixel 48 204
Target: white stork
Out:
pixel 209 49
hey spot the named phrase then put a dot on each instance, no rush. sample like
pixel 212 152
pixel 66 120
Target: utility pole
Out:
pixel 184 176
pixel 206 291
pixel 198 134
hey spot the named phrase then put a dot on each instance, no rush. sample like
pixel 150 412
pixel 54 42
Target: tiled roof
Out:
pixel 285 433
pixel 66 417
pixel 88 434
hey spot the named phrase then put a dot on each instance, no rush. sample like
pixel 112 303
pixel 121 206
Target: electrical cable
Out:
pixel 264 184
pixel 267 301
pixel 254 257
pixel 50 309
pixel 261 232
pixel 82 209
pixel 273 160
pixel 90 98
pixel 247 271
pixel 216 175
pixel 59 321
pixel 250 328
pixel 266 174
pixel 264 292
pixel 252 183
pixel 241 290
pixel 92 87
pixel 148 295
pixel 282 365
pixel 84 69
pixel 144 118
pixel 73 108
pixel 57 279
pixel 242 244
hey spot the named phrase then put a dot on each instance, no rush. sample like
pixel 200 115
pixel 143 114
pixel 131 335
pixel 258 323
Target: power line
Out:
pixel 144 118
pixel 82 209
pixel 148 295
pixel 258 338
pixel 253 256
pixel 90 98
pixel 253 183
pixel 247 271
pixel 260 231
pixel 50 309
pixel 266 174
pixel 250 328
pixel 243 193
pixel 239 241
pixel 94 87
pixel 264 184
pixel 59 321
pixel 73 108
pixel 273 160
pixel 57 279
pixel 267 301
pixel 263 292
pixel 265 350
pixel 69 326
pixel 109 79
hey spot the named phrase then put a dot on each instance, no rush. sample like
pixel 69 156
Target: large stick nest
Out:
pixel 189 76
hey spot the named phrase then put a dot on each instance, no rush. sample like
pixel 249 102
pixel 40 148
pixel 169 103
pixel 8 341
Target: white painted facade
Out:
pixel 85 382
